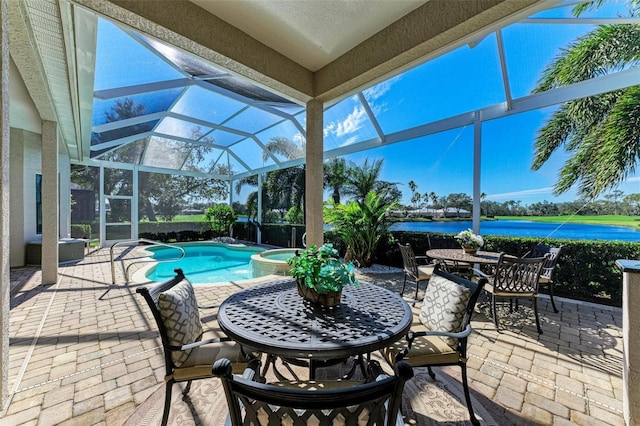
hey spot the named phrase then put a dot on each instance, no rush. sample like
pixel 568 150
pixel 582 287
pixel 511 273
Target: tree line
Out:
pixel 613 203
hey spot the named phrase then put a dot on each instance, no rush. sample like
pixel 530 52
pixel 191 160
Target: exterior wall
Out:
pixel 25 163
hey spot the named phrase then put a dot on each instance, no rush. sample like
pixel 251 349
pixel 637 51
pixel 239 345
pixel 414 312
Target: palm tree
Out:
pixel 601 131
pixel 335 177
pixel 366 178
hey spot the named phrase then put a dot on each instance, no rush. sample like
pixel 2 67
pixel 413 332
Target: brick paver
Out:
pixel 97 356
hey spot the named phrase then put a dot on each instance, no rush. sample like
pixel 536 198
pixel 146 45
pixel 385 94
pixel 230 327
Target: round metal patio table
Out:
pixel 274 319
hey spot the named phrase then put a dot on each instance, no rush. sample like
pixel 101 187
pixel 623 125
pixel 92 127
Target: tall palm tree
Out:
pixel 335 177
pixel 286 187
pixel 601 131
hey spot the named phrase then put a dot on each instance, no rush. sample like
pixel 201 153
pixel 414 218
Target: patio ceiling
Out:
pixel 201 87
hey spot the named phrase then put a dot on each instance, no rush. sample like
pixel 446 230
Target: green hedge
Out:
pixel 81 231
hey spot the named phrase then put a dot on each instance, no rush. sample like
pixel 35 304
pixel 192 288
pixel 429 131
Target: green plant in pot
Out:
pixel 321 275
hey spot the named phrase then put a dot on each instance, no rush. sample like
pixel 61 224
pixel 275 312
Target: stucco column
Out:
pixel 630 340
pixel 50 213
pixel 314 173
pixel 4 205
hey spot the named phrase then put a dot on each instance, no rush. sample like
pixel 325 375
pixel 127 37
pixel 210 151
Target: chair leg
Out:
pixel 553 303
pixel 467 395
pixel 167 402
pixel 186 390
pixel 431 373
pixel 494 312
pixel 416 295
pixel 404 283
pixel 535 311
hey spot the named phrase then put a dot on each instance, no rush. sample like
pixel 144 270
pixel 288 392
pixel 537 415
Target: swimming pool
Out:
pixel 204 262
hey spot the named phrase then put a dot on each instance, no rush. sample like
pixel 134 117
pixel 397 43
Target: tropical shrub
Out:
pixel 220 217
pixel 361 225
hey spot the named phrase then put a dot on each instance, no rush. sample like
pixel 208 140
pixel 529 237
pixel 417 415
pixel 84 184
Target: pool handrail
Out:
pixel 138 241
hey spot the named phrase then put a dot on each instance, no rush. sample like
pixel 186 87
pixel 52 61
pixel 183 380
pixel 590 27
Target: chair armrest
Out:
pixel 200 343
pixel 480 273
pixel 425 259
pixel 413 334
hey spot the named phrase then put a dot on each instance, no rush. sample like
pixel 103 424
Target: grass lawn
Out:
pixel 593 220
pixel 189 218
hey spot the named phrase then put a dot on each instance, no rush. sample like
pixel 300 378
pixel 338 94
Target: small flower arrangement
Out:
pixel 321 269
pixel 468 239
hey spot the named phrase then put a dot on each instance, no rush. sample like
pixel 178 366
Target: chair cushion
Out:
pixel 179 311
pixel 444 306
pixel 425 271
pixel 425 350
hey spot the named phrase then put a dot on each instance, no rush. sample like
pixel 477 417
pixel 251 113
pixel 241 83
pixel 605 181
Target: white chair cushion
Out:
pixel 179 311
pixel 444 306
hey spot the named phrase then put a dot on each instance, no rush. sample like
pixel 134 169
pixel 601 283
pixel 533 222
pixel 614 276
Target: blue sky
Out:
pixel 464 80
pixel 460 81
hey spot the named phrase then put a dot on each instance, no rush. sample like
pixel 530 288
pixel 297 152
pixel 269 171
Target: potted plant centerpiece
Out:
pixel 321 275
pixel 469 241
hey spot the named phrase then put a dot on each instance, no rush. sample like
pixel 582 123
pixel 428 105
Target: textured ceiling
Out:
pixel 311 33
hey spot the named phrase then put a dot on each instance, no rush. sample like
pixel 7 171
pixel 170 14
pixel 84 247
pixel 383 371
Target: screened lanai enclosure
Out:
pixel 163 129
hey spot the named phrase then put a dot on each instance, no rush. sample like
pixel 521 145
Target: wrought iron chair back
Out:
pixel 516 278
pixel 324 402
pixel 546 276
pixel 413 269
pixel 518 275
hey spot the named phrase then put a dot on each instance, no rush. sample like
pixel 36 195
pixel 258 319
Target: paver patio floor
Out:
pixel 84 353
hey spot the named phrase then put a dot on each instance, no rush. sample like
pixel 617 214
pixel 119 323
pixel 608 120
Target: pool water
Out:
pixel 281 256
pixel 204 262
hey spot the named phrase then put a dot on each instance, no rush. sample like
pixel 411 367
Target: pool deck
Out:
pixel 84 352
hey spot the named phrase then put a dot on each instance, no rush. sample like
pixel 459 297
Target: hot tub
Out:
pixel 272 262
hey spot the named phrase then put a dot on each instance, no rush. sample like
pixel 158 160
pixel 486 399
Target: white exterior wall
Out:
pixel 25 163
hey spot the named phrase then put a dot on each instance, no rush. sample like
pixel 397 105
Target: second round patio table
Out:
pixel 458 255
pixel 274 319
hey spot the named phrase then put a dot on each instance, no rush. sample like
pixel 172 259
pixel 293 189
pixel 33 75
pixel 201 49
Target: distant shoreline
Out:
pixel 613 220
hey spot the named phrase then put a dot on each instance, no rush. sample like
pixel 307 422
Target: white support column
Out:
pixel 314 173
pixel 477 166
pixel 5 283
pixel 259 218
pixel 50 212
pixel 103 213
pixel 630 340
pixel 135 219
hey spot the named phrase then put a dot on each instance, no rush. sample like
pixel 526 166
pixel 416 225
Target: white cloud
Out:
pixel 349 125
pixel 379 90
pixel 521 194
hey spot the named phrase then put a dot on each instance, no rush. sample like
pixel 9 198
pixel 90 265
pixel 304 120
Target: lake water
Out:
pixel 522 228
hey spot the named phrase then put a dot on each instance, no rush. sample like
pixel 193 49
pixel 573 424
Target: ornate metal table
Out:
pixel 274 319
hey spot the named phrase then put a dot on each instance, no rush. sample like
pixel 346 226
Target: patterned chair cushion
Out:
pixel 179 311
pixel 444 306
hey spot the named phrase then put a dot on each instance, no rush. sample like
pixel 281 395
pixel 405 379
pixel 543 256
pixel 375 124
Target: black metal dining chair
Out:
pixel 326 402
pixel 412 269
pixel 546 276
pixel 515 278
pixel 189 350
pixel 440 328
